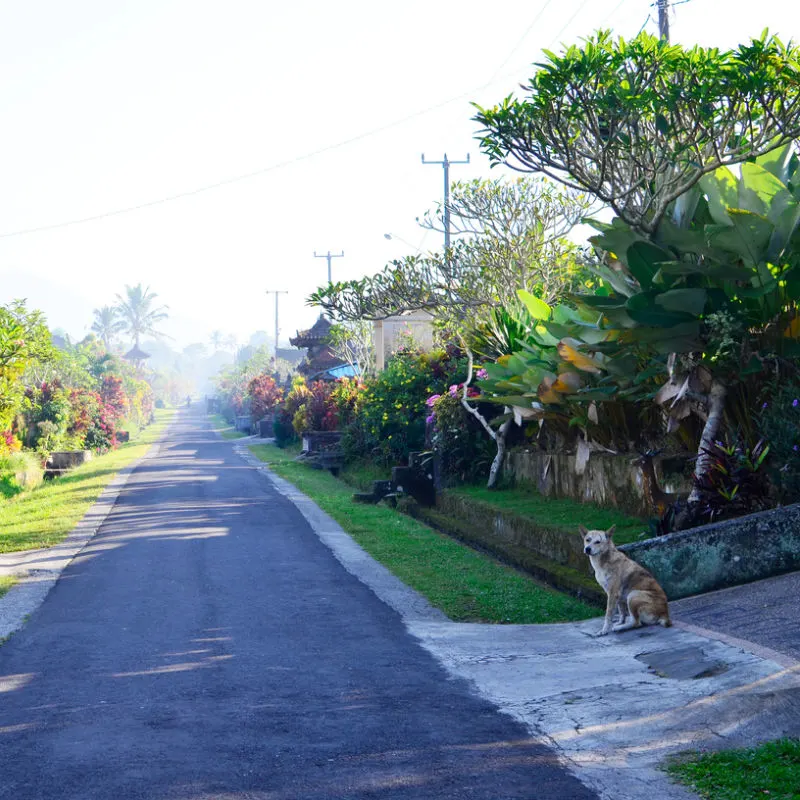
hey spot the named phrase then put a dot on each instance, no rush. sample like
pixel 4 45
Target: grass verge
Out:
pixel 6 582
pixel 770 770
pixel 468 586
pixel 559 513
pixel 45 515
pixel 224 428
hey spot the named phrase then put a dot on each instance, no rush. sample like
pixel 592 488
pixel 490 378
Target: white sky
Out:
pixel 106 105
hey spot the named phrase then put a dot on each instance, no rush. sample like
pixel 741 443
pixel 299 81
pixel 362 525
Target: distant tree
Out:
pixel 217 338
pixel 353 342
pixel 139 314
pixel 108 325
pixel 231 342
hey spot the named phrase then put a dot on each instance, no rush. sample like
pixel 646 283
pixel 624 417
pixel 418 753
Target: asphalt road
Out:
pixel 206 644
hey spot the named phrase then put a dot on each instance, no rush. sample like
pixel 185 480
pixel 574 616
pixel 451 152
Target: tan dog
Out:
pixel 629 586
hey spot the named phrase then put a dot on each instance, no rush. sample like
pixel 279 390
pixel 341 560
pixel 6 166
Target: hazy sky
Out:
pixel 107 105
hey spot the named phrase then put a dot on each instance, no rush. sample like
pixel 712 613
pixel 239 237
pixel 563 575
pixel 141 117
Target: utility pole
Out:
pixel 446 166
pixel 329 256
pixel 663 19
pixel 276 292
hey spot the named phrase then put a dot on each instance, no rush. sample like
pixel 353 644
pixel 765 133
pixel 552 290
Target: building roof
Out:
pixel 136 354
pixel 316 334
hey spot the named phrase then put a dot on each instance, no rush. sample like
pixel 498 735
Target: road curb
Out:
pixel 35 581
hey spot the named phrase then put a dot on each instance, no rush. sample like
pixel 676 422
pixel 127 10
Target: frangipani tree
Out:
pixel 638 123
pixel 515 237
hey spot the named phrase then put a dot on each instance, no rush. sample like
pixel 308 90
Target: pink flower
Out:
pixel 481 374
pixel 430 420
pixel 453 390
pixel 431 400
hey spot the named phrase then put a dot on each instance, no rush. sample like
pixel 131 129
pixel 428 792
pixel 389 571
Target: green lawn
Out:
pixel 224 428
pixel 562 514
pixel 771 770
pixel 45 515
pixel 6 582
pixel 466 585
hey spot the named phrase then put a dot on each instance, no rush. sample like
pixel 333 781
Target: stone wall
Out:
pixel 608 479
pixel 723 554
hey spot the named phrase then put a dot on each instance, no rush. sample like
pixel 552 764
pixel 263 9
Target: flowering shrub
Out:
pixel 318 411
pixel 9 443
pixel 113 396
pixel 285 413
pixel 265 394
pixel 347 396
pixel 390 419
pixel 47 415
pixel 93 423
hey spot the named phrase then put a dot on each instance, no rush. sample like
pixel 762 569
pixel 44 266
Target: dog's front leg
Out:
pixel 611 604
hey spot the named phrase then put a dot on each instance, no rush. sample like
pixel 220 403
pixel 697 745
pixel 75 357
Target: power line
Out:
pixel 521 40
pixel 569 22
pixel 243 177
pixel 305 156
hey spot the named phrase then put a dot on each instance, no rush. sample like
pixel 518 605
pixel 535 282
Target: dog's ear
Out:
pixel 582 531
pixel 610 531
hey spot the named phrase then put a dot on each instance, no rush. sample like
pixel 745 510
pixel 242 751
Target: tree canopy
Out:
pixel 638 123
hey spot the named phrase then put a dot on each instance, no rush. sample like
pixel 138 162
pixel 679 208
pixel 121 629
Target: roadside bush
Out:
pixel 779 423
pixel 318 411
pixel 283 428
pixel 464 450
pixel 391 413
pixel 265 395
pixel 47 416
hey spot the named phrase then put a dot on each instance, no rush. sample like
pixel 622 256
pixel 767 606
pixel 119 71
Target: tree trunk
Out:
pixel 716 405
pixel 497 463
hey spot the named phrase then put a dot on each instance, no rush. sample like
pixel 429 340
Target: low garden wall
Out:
pixel 608 479
pixel 554 555
pixel 724 553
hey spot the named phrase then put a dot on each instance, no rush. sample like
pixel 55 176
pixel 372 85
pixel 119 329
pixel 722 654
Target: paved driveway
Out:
pixel 206 644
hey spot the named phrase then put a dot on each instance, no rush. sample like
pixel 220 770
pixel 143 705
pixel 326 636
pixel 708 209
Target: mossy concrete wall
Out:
pixel 608 480
pixel 555 557
pixel 505 527
pixel 723 554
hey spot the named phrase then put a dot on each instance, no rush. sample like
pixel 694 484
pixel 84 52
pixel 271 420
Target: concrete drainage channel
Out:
pixel 613 707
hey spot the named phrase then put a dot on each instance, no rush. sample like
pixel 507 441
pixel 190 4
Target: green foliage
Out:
pixel 778 422
pixel 24 342
pixel 515 236
pixel 464 451
pixel 715 293
pixel 638 123
pixel 283 426
pixel 391 419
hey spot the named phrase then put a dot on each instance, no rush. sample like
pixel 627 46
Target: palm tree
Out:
pixel 217 338
pixel 139 316
pixel 107 324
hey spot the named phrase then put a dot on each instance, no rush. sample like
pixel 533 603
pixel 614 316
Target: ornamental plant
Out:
pixel 390 421
pixel 265 395
pixel 463 450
